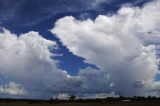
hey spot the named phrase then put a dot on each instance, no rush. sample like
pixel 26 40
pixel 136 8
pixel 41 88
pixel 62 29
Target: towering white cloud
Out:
pixel 119 45
pixel 27 60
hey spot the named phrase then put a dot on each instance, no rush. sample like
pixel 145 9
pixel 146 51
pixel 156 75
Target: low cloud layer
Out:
pixel 12 89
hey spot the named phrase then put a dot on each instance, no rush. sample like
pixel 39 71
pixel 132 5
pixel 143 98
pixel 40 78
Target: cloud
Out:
pixel 98 95
pixel 96 3
pixel 90 77
pixel 13 89
pixel 62 96
pixel 27 60
pixel 18 12
pixel 119 45
pixel 41 11
pixel 29 65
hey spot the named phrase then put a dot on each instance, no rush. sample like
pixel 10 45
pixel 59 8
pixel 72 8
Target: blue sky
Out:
pixel 25 15
pixel 77 55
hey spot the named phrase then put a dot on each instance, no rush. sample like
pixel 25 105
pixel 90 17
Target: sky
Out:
pixel 86 48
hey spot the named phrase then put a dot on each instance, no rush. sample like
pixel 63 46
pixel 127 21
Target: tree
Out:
pixel 72 97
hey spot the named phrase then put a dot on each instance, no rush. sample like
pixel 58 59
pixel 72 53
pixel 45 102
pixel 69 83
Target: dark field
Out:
pixel 144 103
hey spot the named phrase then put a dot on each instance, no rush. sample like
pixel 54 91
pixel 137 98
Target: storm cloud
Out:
pixel 118 45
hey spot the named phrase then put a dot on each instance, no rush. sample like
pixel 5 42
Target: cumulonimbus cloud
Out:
pixel 121 45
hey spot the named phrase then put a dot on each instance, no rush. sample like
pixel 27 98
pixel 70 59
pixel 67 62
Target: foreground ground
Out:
pixel 144 103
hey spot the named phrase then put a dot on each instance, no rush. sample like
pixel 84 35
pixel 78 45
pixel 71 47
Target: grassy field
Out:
pixel 82 104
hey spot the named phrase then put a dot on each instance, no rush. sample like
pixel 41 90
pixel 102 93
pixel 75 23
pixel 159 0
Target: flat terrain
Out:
pixel 82 104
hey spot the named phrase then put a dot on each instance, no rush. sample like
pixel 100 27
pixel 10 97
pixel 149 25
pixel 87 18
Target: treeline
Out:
pixel 79 100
